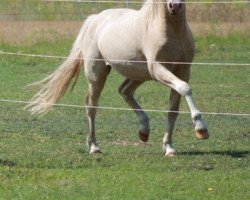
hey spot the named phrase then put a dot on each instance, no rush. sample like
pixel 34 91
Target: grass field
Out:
pixel 46 157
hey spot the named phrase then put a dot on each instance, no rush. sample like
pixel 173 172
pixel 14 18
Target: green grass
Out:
pixel 46 158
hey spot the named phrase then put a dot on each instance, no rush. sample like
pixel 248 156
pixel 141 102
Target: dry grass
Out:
pixel 219 29
pixel 222 13
pixel 31 10
pixel 31 32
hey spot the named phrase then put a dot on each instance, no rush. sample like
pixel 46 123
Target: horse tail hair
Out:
pixel 55 85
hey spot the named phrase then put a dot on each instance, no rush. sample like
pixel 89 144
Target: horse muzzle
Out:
pixel 175 7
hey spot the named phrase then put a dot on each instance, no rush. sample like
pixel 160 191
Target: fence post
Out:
pixel 127 3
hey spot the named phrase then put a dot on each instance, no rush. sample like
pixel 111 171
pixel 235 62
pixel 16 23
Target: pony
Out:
pixel 152 43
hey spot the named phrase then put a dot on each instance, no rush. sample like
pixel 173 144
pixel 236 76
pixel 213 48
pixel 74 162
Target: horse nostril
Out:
pixel 175 8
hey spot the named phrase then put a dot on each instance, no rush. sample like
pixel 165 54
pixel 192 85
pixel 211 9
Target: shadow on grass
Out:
pixel 232 154
pixel 7 163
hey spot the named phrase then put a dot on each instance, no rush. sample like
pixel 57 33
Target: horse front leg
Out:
pixel 127 90
pixel 163 75
pixel 174 104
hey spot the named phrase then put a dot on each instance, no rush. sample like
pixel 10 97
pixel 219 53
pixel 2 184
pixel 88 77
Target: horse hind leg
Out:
pixel 96 75
pixel 127 90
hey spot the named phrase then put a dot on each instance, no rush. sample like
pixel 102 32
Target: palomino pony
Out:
pixel 153 43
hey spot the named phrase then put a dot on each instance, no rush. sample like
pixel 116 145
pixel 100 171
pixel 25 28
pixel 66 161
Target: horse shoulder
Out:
pixel 120 35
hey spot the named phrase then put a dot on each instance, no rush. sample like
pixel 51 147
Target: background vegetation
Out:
pixel 46 157
pixel 48 10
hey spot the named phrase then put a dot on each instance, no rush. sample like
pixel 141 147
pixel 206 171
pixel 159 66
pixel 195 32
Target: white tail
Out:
pixel 55 85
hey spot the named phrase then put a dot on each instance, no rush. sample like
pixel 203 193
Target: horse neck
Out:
pixel 177 25
pixel 156 11
pixel 153 8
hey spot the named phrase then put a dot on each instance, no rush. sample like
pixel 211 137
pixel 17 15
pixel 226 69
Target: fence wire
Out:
pixel 141 2
pixel 125 61
pixel 129 109
pixel 120 108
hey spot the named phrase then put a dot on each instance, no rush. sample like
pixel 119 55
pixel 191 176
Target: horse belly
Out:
pixel 137 71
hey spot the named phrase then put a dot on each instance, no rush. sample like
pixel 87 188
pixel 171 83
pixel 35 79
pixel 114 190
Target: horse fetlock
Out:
pixel 168 150
pixel 144 120
pixel 166 139
pixel 91 140
pixel 200 124
pixel 196 116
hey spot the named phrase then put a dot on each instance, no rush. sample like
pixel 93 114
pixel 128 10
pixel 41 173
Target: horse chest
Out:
pixel 176 50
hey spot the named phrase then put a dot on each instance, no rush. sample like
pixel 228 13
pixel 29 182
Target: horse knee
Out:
pixel 184 89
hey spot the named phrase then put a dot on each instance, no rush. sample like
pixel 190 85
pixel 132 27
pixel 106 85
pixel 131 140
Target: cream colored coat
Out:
pixel 153 43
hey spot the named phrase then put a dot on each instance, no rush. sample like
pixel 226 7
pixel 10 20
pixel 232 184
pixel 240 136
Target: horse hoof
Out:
pixel 202 134
pixel 170 154
pixel 95 150
pixel 143 137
